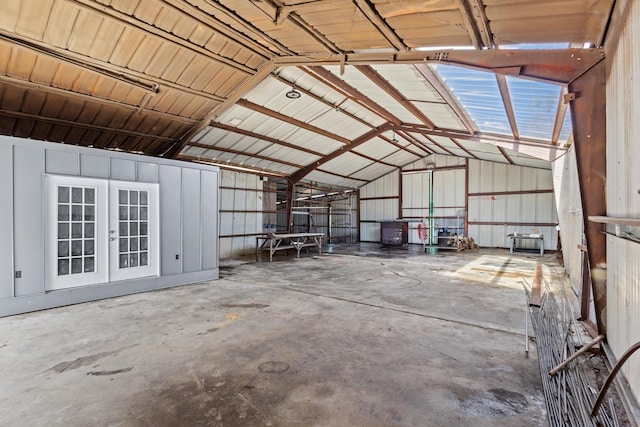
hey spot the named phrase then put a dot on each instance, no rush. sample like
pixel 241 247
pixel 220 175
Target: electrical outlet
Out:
pixel 177 256
pixel 18 274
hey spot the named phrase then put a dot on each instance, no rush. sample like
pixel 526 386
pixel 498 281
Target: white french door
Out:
pixel 100 231
pixel 133 230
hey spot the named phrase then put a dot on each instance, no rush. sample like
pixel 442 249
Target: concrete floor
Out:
pixel 361 336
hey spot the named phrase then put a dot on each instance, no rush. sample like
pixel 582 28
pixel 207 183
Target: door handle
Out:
pixel 112 238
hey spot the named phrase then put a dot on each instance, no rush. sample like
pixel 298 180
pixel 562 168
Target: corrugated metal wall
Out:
pixel 187 211
pixel 504 199
pixel 567 194
pixel 379 200
pixel 623 191
pixel 241 207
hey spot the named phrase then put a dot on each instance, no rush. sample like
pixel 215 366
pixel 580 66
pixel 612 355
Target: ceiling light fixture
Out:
pixel 393 138
pixel 293 93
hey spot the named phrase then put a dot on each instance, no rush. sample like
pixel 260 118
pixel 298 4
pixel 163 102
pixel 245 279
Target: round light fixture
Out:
pixel 293 93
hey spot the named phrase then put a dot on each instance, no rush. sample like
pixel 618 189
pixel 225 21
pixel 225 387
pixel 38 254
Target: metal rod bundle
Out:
pixel 569 394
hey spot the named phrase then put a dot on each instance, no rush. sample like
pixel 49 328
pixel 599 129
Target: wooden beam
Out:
pixel 559 66
pixel 335 82
pixel 266 138
pixel 299 175
pixel 287 119
pixel 560 115
pixel 508 105
pixel 383 84
pixel 380 24
pixel 243 153
pixel 444 93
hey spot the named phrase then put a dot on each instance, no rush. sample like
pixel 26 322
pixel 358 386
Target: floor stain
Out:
pixel 245 305
pixel 114 372
pixel 273 367
pixel 82 361
pixel 495 402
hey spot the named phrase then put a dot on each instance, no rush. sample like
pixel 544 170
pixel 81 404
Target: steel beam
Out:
pixel 588 114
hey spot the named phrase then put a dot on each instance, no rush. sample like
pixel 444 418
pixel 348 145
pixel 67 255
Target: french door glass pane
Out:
pixel 133 222
pixel 76 244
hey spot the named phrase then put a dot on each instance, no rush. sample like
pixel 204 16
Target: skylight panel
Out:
pixel 478 93
pixel 535 106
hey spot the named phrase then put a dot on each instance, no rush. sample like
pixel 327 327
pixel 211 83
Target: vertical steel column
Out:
pixel 588 114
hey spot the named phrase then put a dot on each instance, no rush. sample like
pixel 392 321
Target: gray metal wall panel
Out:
pixel 209 197
pixel 6 221
pixel 147 172
pixel 123 169
pixel 94 166
pixel 61 162
pixel 191 225
pixel 28 227
pixel 170 220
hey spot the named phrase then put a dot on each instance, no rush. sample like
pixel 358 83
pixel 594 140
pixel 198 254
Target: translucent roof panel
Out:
pixel 567 128
pixel 535 106
pixel 478 93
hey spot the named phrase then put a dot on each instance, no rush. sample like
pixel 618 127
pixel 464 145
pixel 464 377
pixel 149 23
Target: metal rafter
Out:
pixel 372 15
pixel 281 12
pixel 470 23
pixel 415 142
pixel 136 24
pixel 355 143
pixel 223 164
pixel 445 94
pixel 240 91
pixel 266 138
pixel 287 119
pixel 462 147
pixel 95 99
pixel 328 78
pixel 437 145
pixel 558 66
pixel 508 105
pixel 86 126
pixel 244 153
pixel 95 65
pixel 505 155
pixel 340 175
pixel 383 84
pixel 560 115
pixel 482 23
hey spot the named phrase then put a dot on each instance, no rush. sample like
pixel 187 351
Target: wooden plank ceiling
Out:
pixel 206 80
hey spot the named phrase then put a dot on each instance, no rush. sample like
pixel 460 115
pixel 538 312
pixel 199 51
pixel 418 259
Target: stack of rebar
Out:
pixel 569 394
